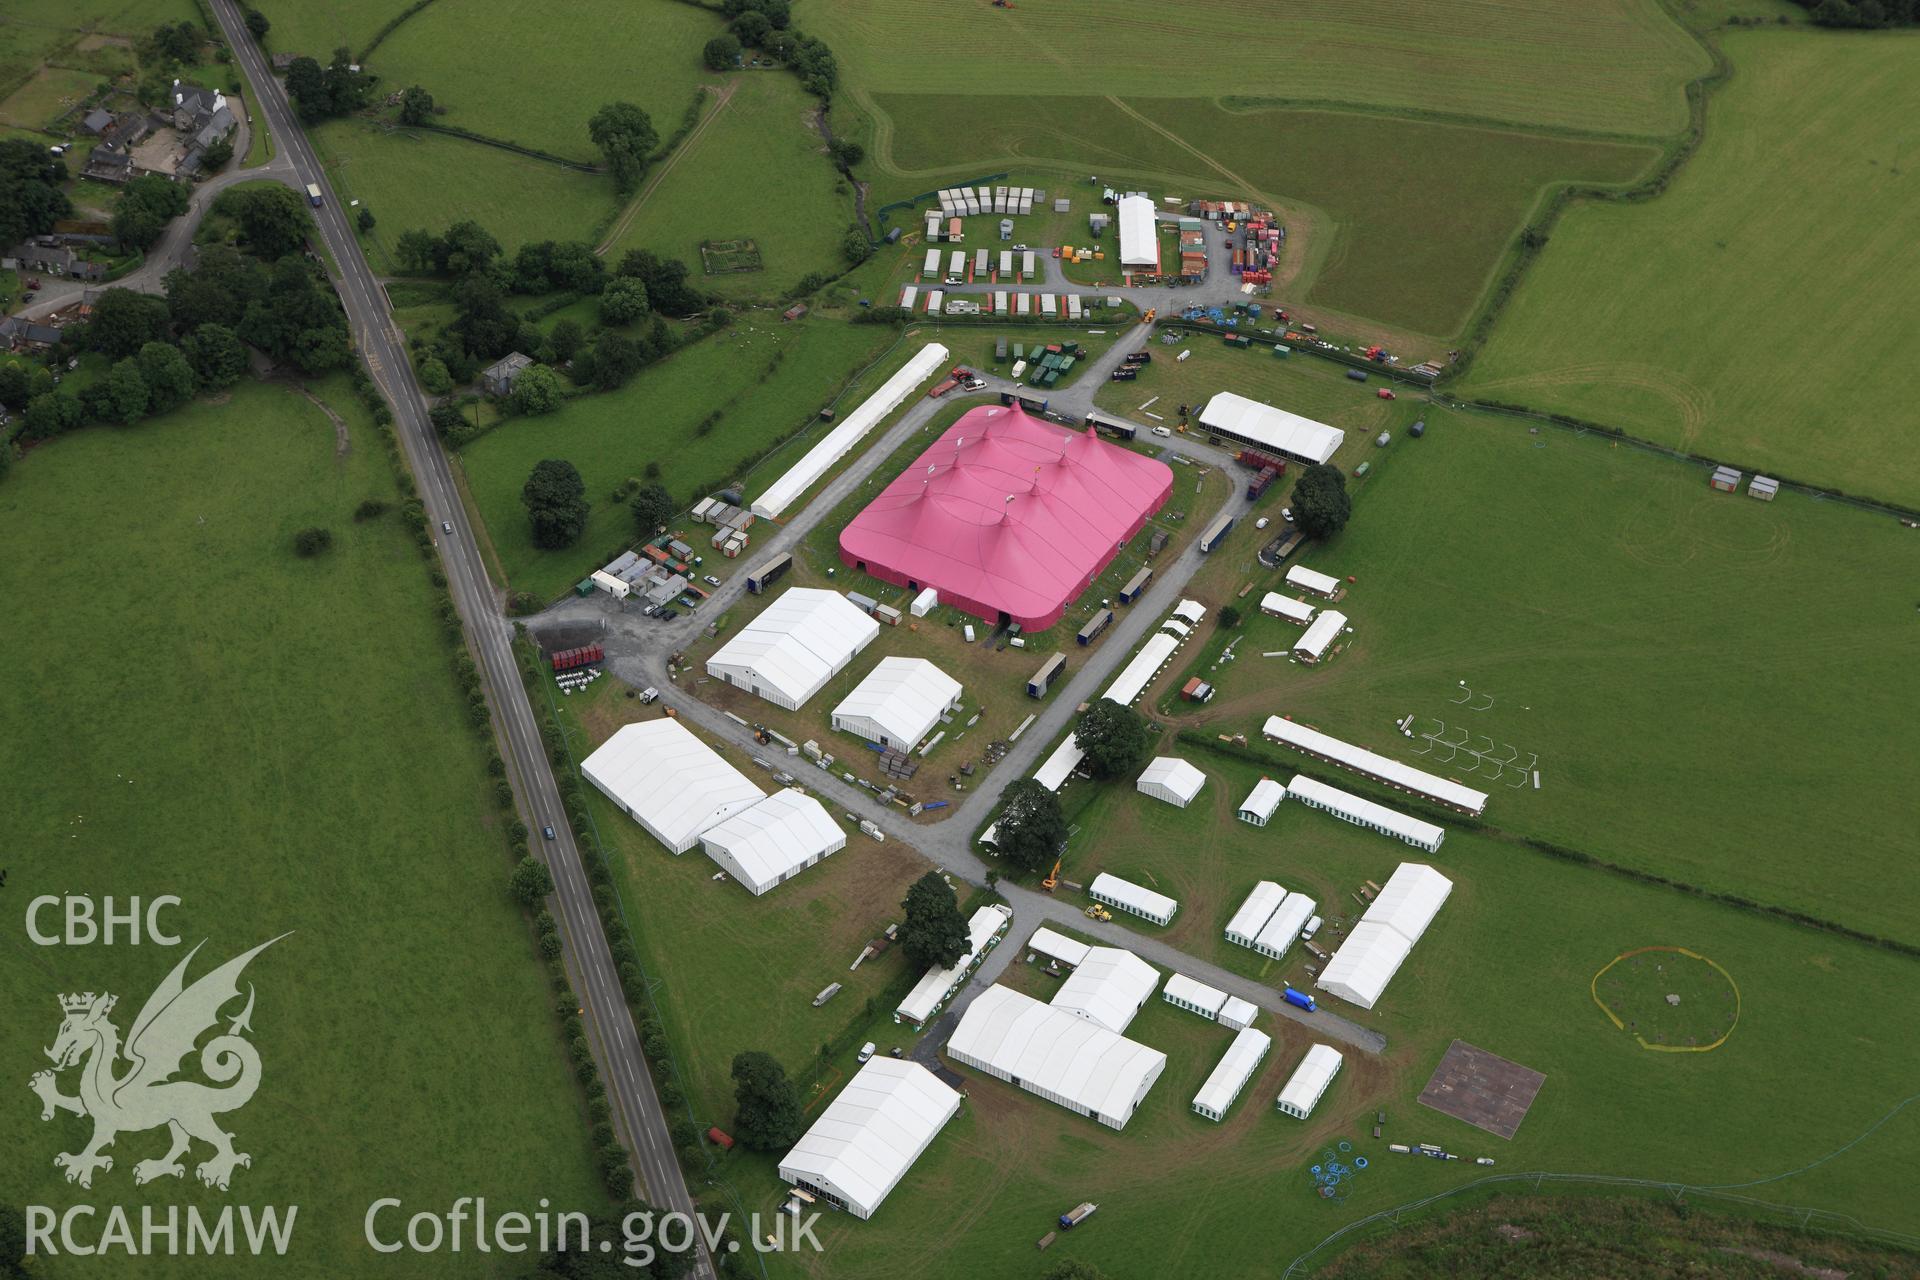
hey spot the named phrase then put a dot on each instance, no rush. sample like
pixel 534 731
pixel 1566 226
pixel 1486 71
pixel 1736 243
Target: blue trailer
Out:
pixel 1299 999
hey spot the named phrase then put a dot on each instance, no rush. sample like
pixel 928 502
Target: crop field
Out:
pixel 1616 66
pixel 1403 221
pixel 766 379
pixel 757 172
pixel 412 179
pixel 1792 223
pixel 279 743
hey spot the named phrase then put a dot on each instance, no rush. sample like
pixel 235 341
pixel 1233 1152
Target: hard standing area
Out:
pixel 1482 1088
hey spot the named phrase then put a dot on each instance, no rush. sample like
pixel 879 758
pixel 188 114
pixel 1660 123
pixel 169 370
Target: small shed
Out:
pixel 1763 488
pixel 1725 479
pixel 1237 1014
pixel 1171 779
pixel 1259 805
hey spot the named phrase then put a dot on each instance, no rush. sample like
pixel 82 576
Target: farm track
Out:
pixel 625 222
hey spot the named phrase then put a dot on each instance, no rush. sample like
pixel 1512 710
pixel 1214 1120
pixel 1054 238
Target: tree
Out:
pixel 215 355
pixel 846 152
pixel 124 321
pixel 531 882
pixel 307 86
pixel 217 291
pixel 1031 830
pixel 51 413
pixel 258 24
pixel 556 502
pixel 434 376
pixel 1320 501
pixel 365 220
pixel 616 358
pixel 565 339
pixel 666 281
pixel 15 387
pixel 934 934
pixel 1074 1269
pixel 312 541
pixel 273 221
pixel 652 507
pixel 856 248
pixel 752 27
pixel 178 41
pixel 416 104
pixel 217 154
pixel 297 320
pixel 415 250
pixel 145 207
pixel 1114 738
pixel 626 137
pixel 768 1107
pixel 1229 617
pixel 722 52
pixel 482 321
pixel 169 379
pixel 31 198
pixel 465 249
pixel 623 302
pixel 537 390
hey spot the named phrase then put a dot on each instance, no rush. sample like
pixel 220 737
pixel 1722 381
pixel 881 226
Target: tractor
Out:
pixel 1098 912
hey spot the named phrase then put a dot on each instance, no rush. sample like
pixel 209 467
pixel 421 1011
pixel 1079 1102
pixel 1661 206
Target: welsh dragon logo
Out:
pixel 146 1095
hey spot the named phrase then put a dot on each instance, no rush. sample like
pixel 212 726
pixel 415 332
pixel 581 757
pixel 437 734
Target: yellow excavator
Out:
pixel 1052 881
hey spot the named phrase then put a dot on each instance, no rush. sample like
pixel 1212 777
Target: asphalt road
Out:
pixel 637 1113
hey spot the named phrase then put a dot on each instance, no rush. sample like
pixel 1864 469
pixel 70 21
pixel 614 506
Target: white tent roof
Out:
pixel 1322 632
pixel 1108 987
pixel 1374 765
pixel 870 1135
pixel 669 781
pixel 935 984
pixel 1136 897
pixel 1410 900
pixel 904 697
pixel 1311 1078
pixel 1193 991
pixel 767 842
pixel 1192 611
pixel 1284 925
pixel 1059 766
pixel 1058 946
pixel 1237 1012
pixel 1263 799
pixel 1254 913
pixel 1134 676
pixel 1171 779
pixel 1286 607
pixel 1137 248
pixel 1364 964
pixel 1230 1075
pixel 1050 1051
pixel 797 643
pixel 1271 428
pixel 833 446
pixel 1312 580
pixel 1348 805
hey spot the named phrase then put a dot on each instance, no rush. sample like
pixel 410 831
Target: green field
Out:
pixel 1751 313
pixel 280 743
pixel 48 94
pixel 316 30
pixel 766 378
pixel 1616 66
pixel 1318 389
pixel 762 138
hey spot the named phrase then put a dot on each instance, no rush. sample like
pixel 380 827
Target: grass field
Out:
pixel 49 93
pixel 766 378
pixel 411 179
pixel 278 742
pixel 1616 66
pixel 1793 222
pixel 1398 220
pixel 763 136
pixel 316 30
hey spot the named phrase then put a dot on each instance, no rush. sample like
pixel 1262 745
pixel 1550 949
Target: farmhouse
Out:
pixel 1369 764
pixel 1362 812
pixel 667 780
pixel 1171 779
pixel 798 643
pixel 1109 987
pixel 898 703
pixel 1309 1081
pixel 1317 638
pixel 1132 898
pixel 935 985
pixel 1009 517
pixel 1230 1075
pixel 1265 427
pixel 774 840
pixel 870 1135
pixel 497 379
pixel 1259 805
pixel 1385 936
pixel 1295 611
pixel 1254 913
pixel 1051 1053
pixel 1139 244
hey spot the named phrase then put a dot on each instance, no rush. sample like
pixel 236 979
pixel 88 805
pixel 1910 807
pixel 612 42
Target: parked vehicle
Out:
pixel 1162 431
pixel 867 1050
pixel 710 580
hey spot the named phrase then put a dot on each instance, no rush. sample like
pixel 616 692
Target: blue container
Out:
pixel 1298 999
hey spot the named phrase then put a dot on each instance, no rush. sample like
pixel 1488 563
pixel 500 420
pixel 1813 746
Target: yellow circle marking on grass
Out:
pixel 1593 988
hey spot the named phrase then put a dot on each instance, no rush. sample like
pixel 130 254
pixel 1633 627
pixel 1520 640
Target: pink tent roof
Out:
pixel 1007 514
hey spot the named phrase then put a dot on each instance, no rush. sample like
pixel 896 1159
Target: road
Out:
pixel 638 1116
pixel 638 648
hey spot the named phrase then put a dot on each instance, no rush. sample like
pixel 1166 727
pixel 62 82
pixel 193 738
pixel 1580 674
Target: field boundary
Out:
pixel 1247 104
pixel 532 153
pixel 392 25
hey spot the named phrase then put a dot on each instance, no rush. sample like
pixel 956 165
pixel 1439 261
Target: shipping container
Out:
pixel 1092 630
pixel 768 573
pixel 1044 678
pixel 1138 583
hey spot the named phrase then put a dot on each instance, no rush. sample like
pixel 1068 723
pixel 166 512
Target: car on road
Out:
pixel 547 831
pixel 1162 431
pixel 867 1050
pixel 446 526
pixel 710 580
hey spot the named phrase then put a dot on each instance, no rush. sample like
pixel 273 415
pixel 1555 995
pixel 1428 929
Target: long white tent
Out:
pixel 1137 245
pixel 1133 898
pixel 1260 803
pixel 1171 779
pixel 898 703
pixel 1380 943
pixel 1057 946
pixel 1371 764
pixel 1313 580
pixel 1319 635
pixel 796 644
pixel 1254 913
pixel 1411 898
pixel 936 985
pixel 774 840
pixel 1059 766
pixel 1265 427
pixel 1109 987
pixel 1049 1052
pixel 1309 1081
pixel 1278 935
pixel 1230 1075
pixel 669 781
pixel 870 1135
pixel 1133 677
pixel 834 446
pixel 1296 611
pixel 1193 995
pixel 1362 812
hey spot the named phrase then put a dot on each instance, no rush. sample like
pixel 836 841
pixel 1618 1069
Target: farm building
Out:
pixel 1055 1055
pixel 1265 427
pixel 1277 936
pixel 1139 243
pixel 667 780
pixel 1260 803
pixel 833 446
pixel 870 1135
pixel 1108 987
pixel 1237 1014
pixel 1309 1081
pixel 1059 766
pixel 774 840
pixel 1141 668
pixel 1319 637
pixel 1057 946
pixel 898 703
pixel 1132 898
pixel 1171 779
pixel 1254 913
pixel 1362 812
pixel 1370 764
pixel 1319 584
pixel 1385 936
pixel 1193 995
pixel 798 643
pixel 936 985
pixel 1230 1075
pixel 1009 517
pixel 1296 611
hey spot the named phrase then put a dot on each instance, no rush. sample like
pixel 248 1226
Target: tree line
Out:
pixel 1862 13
